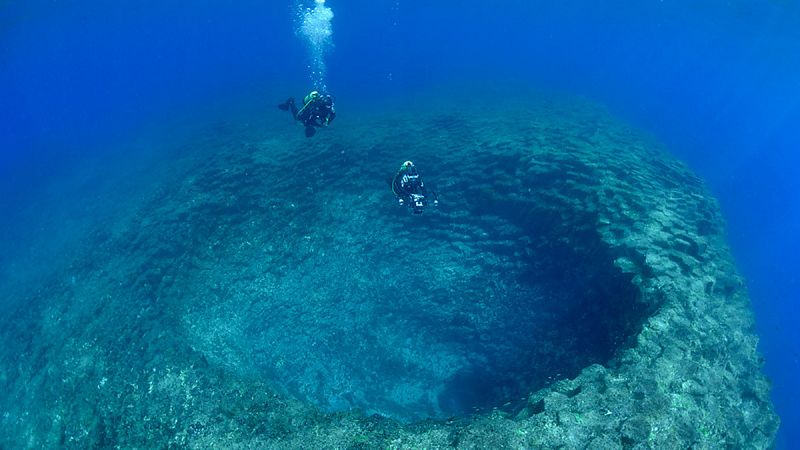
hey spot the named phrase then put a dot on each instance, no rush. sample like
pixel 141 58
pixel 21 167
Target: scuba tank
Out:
pixel 311 96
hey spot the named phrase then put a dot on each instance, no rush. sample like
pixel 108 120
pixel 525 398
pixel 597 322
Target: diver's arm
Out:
pixel 303 115
pixel 397 189
pixel 433 194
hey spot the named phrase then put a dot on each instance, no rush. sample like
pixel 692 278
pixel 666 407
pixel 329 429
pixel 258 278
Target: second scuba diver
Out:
pixel 317 111
pixel 410 190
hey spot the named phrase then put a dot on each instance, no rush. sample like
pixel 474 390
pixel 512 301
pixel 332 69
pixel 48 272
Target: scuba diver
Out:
pixel 317 111
pixel 409 188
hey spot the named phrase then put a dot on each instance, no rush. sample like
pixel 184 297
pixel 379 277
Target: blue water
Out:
pixel 717 81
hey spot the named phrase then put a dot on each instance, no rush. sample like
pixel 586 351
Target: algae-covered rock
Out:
pixel 572 290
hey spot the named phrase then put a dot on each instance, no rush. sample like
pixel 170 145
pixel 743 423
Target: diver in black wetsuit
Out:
pixel 409 188
pixel 317 111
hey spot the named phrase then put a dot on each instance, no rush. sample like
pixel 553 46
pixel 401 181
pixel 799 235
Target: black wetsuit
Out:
pixel 407 184
pixel 317 113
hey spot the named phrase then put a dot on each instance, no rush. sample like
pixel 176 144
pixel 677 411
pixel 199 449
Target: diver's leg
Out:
pixel 310 130
pixel 289 105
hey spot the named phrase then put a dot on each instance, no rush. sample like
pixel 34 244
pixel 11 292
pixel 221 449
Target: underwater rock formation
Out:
pixel 573 290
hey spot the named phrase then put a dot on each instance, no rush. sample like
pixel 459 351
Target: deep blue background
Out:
pixel 718 81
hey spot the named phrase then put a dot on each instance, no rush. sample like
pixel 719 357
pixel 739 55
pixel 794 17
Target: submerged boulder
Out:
pixel 573 289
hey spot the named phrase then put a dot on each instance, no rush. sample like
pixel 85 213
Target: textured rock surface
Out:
pixel 269 293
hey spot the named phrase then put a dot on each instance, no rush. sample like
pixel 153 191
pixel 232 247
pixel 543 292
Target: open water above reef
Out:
pixel 265 289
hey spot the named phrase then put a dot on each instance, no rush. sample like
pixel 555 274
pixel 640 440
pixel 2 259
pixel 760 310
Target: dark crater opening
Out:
pixel 559 303
pixel 506 288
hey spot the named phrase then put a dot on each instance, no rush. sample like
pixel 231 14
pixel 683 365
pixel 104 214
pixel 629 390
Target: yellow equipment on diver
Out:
pixel 313 95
